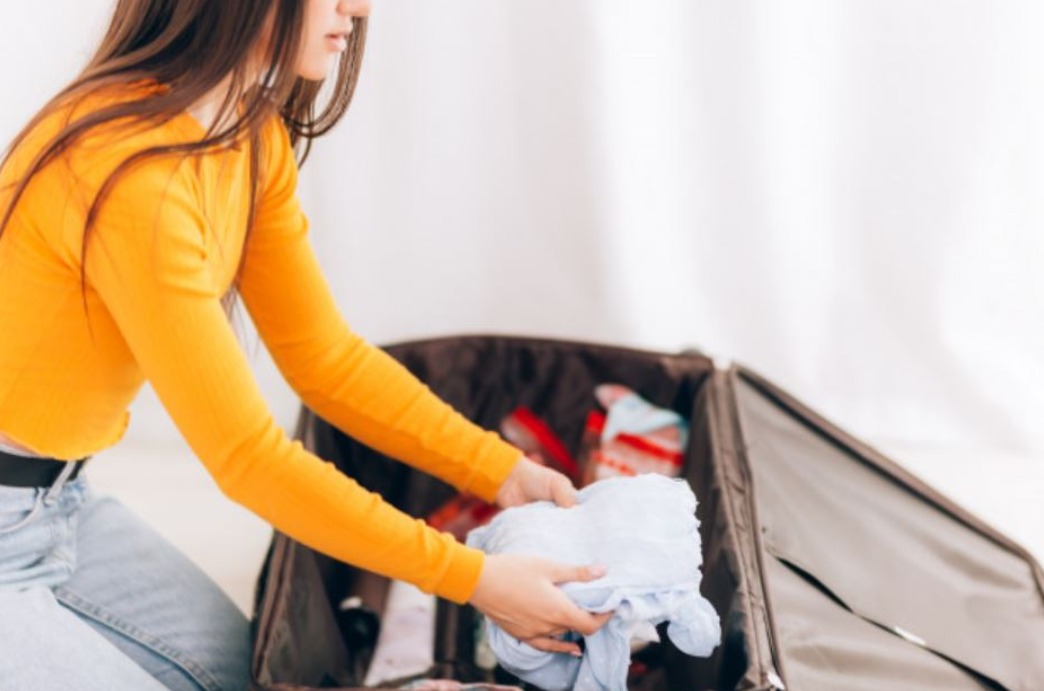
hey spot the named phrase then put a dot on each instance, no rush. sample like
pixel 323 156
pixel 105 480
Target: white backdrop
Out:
pixel 845 195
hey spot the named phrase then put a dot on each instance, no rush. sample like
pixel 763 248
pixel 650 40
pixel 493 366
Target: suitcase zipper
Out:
pixel 776 668
pixel 773 678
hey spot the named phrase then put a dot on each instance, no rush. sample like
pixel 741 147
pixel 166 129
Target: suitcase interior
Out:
pixel 829 566
pixel 299 644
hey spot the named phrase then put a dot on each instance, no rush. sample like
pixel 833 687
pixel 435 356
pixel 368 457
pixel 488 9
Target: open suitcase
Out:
pixel 830 566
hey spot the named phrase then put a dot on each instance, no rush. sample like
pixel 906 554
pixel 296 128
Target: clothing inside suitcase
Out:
pixel 830 567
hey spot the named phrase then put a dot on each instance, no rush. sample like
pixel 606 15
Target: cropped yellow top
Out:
pixel 164 250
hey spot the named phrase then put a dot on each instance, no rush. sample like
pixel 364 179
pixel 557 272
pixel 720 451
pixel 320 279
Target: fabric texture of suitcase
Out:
pixel 830 566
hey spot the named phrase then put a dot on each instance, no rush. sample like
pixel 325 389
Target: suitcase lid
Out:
pixel 871 578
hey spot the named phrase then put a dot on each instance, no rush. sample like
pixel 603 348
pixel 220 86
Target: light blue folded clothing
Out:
pixel 635 415
pixel 644 531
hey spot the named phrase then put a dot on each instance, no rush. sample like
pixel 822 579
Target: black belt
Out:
pixel 20 471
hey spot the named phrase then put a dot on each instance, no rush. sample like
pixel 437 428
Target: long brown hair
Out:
pixel 190 47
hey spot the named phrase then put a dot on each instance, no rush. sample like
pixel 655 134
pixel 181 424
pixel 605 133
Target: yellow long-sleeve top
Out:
pixel 165 248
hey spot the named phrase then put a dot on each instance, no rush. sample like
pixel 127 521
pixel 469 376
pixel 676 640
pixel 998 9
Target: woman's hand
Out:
pixel 519 593
pixel 530 481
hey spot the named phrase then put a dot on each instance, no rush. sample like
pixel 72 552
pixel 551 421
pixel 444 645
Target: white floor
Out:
pixel 172 491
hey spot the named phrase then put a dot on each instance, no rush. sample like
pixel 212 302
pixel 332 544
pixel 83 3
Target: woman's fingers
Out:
pixel 530 481
pixel 568 573
pixel 520 595
pixel 553 645
pixel 586 623
pixel 574 618
pixel 562 491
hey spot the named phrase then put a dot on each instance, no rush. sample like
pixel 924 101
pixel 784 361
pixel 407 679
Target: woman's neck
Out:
pixel 207 108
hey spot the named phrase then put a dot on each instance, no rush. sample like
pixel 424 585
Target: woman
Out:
pixel 160 183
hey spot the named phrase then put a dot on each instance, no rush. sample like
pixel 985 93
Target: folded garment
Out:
pixel 630 413
pixel 632 438
pixel 644 531
pixel 406 643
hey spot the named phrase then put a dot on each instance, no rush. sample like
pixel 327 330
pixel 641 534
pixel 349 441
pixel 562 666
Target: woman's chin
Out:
pixel 315 72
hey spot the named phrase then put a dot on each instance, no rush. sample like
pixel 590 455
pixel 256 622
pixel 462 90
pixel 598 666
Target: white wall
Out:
pixel 845 195
pixel 43 46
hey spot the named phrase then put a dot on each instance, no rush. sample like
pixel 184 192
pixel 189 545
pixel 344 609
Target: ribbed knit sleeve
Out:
pixel 151 260
pixel 349 382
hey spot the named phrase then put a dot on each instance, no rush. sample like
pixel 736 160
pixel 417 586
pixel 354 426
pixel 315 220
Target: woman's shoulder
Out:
pixel 95 161
pixel 133 132
pixel 104 144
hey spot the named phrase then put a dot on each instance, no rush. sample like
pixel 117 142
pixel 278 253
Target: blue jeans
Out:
pixel 93 599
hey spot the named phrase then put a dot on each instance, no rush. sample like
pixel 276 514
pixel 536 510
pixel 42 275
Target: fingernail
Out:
pixel 576 653
pixel 597 571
